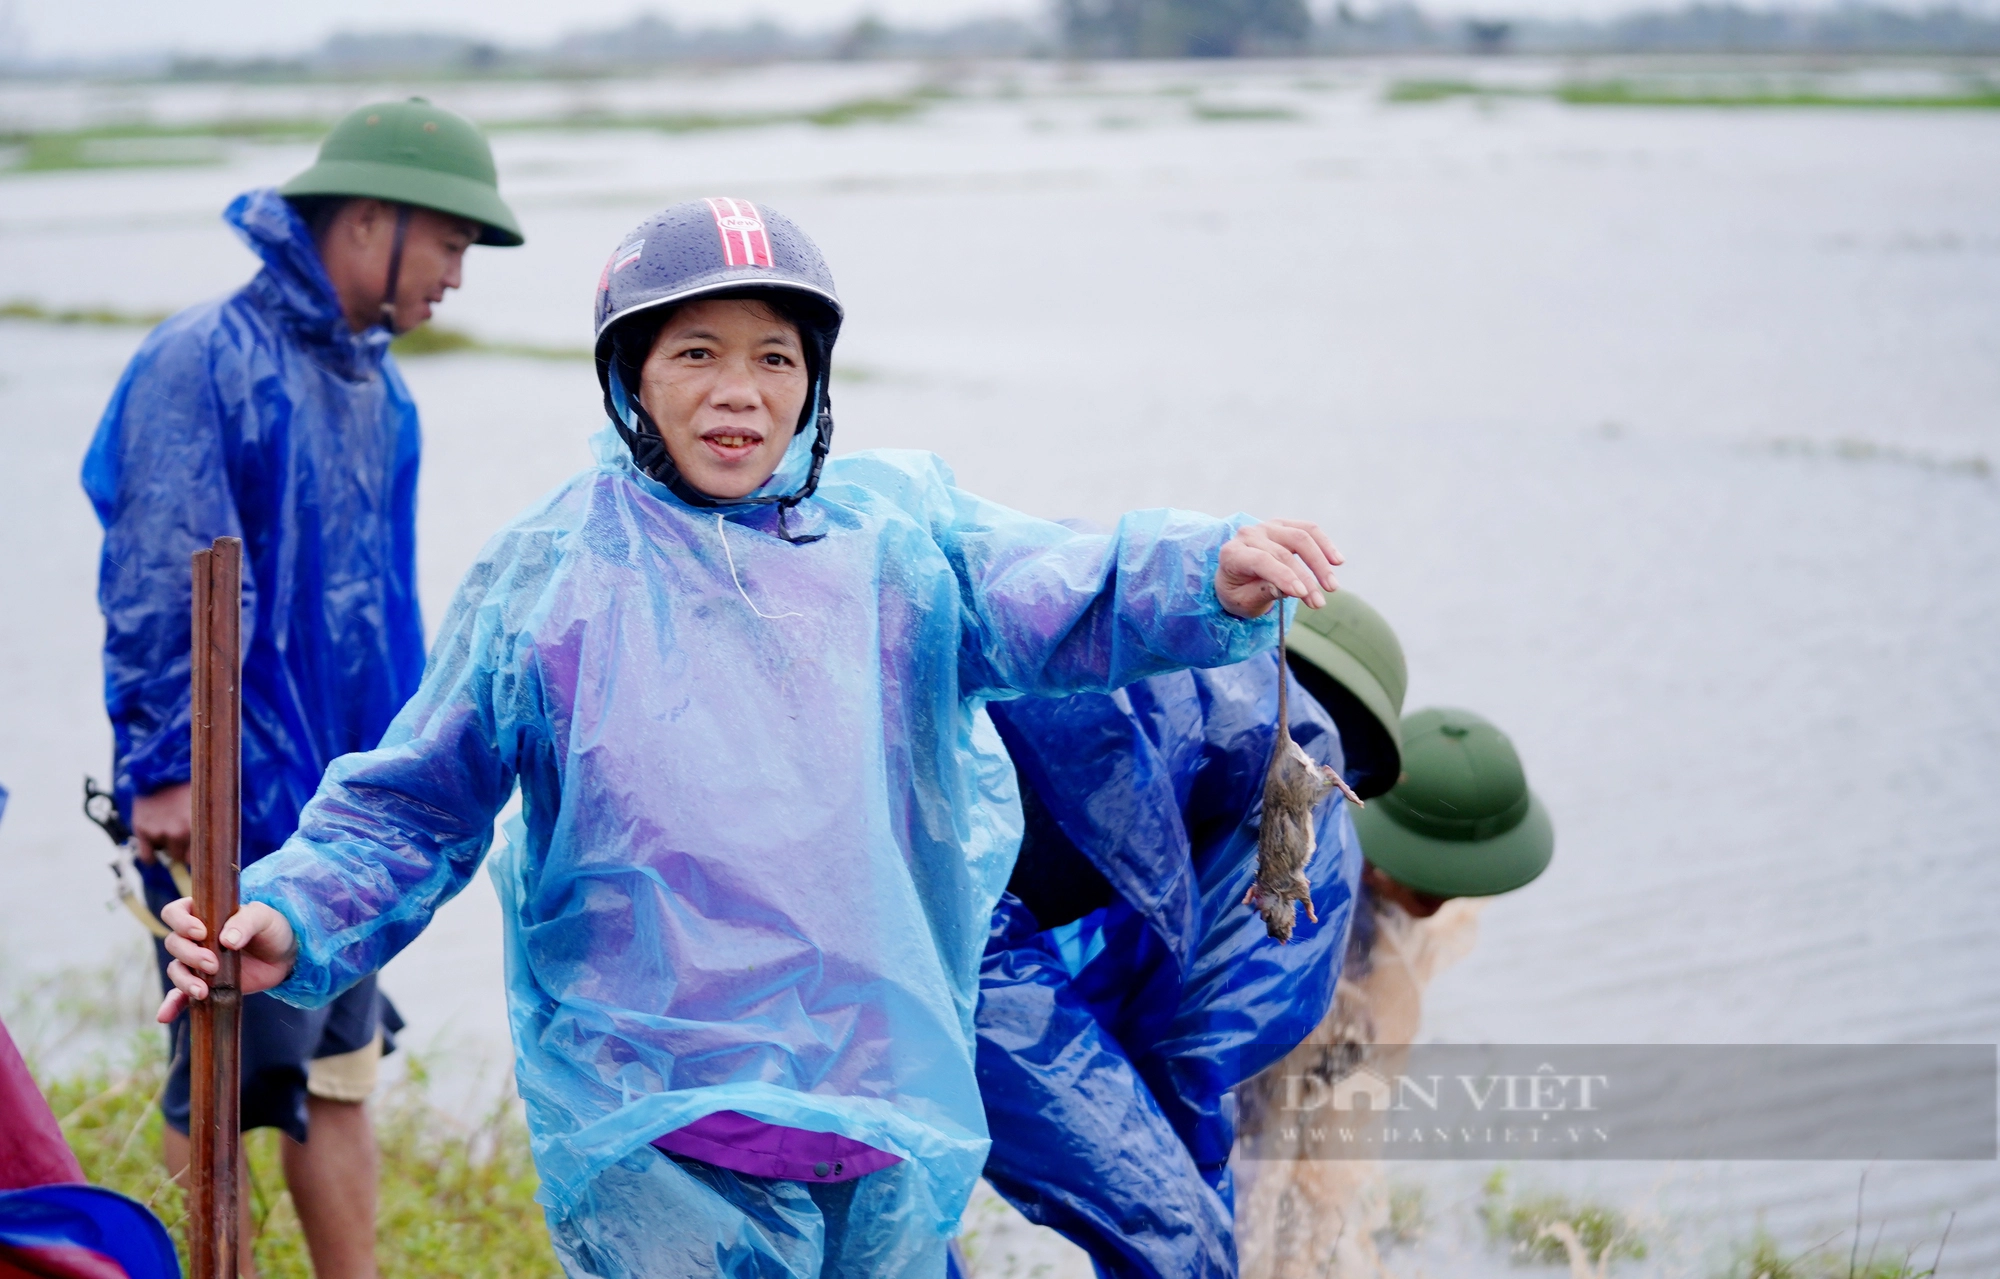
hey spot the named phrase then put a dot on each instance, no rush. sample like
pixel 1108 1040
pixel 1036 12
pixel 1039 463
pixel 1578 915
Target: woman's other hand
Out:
pixel 1274 560
pixel 262 935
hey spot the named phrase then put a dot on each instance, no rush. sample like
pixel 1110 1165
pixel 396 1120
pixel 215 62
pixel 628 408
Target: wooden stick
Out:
pixel 215 1026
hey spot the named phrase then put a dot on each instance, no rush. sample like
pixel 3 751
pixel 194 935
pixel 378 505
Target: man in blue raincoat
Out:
pixel 276 415
pixel 739 685
pixel 1126 987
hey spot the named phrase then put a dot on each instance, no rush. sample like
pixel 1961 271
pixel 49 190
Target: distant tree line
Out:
pixel 1146 29
pixel 1183 28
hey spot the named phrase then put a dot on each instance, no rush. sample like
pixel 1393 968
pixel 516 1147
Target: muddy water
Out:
pixel 1663 436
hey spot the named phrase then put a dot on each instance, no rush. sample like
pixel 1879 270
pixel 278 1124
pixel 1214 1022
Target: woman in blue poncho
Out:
pixel 764 820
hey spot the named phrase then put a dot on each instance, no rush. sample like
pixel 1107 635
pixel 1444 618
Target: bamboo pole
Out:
pixel 215 1027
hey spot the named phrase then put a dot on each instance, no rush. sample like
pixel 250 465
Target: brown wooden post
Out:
pixel 215 1029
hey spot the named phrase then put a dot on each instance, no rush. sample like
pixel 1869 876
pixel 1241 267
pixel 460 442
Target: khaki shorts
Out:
pixel 346 1076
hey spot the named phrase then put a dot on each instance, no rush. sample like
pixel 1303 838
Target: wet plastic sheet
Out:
pixel 260 416
pixel 1173 990
pixel 1079 1143
pixel 764 822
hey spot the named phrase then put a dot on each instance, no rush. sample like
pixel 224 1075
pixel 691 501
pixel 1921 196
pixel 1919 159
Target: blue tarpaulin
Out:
pixel 1108 1045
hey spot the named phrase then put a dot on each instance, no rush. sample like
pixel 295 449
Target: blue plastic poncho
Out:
pixel 1107 1047
pixel 763 823
pixel 260 416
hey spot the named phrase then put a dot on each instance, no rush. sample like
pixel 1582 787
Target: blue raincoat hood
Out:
pixel 293 287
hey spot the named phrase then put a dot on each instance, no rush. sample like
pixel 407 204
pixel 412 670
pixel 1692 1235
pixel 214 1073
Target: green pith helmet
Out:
pixel 412 153
pixel 1462 822
pixel 1350 644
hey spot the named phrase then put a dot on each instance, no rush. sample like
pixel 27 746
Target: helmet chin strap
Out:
pixel 395 268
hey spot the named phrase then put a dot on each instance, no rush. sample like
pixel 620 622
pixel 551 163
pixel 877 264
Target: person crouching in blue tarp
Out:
pixel 764 819
pixel 1126 987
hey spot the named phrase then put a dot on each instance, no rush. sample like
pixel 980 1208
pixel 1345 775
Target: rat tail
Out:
pixel 1284 680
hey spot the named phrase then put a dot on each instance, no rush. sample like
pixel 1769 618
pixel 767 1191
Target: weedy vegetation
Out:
pixel 1626 93
pixel 1620 93
pixel 1762 1258
pixel 430 339
pixel 1409 1215
pixel 1533 1223
pixel 434 339
pixel 1223 113
pixel 141 144
pixel 457 1198
pixel 106 317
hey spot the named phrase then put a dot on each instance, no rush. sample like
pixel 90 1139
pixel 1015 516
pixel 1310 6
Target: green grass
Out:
pixel 1619 93
pixel 1409 1215
pixel 869 110
pixel 1217 113
pixel 1762 1258
pixel 142 145
pixel 107 1113
pixel 1435 90
pixel 456 1199
pixel 1623 93
pixel 24 309
pixel 433 339
pixel 1522 1220
pixel 145 145
pixel 872 110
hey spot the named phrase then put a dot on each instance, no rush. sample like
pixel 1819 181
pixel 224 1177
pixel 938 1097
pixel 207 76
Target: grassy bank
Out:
pixel 117 146
pixel 140 144
pixel 104 317
pixel 1627 93
pixel 457 1199
pixel 431 339
pixel 434 339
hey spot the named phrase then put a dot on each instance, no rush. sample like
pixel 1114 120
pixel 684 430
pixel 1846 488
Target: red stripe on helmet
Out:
pixel 740 227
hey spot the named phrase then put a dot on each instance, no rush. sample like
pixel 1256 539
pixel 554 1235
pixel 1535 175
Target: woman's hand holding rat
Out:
pixel 1274 560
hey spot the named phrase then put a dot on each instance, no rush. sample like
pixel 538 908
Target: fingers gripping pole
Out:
pixel 215 1024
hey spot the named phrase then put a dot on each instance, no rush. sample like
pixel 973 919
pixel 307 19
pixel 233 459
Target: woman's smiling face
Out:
pixel 725 381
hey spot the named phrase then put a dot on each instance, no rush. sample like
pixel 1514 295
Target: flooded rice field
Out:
pixel 1665 437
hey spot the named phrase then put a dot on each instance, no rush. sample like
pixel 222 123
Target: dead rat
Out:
pixel 1293 787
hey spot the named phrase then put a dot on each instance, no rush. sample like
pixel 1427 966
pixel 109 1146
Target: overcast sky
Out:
pixel 99 28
